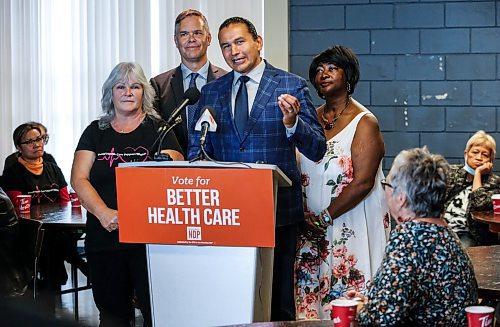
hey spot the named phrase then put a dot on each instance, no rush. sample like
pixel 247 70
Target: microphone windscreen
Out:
pixel 211 111
pixel 192 95
pixel 207 116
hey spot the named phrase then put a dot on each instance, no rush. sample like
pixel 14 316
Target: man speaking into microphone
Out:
pixel 263 114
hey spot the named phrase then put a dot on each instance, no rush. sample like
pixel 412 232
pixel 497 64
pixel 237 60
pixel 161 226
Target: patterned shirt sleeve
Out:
pixel 394 284
pixel 480 199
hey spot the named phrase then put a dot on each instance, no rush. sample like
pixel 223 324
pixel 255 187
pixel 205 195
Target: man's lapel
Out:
pixel 177 85
pixel 224 99
pixel 178 91
pixel 211 73
pixel 267 85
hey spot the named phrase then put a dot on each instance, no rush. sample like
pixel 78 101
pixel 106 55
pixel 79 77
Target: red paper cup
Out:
pixel 24 203
pixel 343 312
pixel 495 198
pixel 74 199
pixel 480 316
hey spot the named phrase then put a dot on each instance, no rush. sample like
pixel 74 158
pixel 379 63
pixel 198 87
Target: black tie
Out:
pixel 241 105
pixel 191 109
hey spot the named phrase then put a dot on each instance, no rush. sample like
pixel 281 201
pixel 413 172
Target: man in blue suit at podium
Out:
pixel 263 114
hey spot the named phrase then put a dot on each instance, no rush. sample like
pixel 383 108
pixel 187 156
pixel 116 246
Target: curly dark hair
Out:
pixel 341 57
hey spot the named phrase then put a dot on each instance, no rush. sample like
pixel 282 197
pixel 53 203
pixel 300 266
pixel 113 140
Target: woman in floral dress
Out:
pixel 346 216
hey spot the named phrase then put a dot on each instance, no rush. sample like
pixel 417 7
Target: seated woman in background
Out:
pixel 44 181
pixel 470 187
pixel 31 174
pixel 426 278
pixel 13 158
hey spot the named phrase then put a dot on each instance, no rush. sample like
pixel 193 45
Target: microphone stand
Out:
pixel 202 155
pixel 165 156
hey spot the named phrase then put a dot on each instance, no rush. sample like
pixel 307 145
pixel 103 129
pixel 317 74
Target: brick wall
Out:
pixel 430 70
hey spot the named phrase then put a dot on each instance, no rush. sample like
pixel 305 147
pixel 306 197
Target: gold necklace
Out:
pixel 329 125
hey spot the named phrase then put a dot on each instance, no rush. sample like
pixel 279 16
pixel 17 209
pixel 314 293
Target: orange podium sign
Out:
pixel 196 206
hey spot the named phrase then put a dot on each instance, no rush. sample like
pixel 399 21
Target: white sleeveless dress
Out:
pixel 352 249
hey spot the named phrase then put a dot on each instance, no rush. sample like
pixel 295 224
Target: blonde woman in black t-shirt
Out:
pixel 126 131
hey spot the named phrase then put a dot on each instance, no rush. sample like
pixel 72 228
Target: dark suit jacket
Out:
pixel 169 94
pixel 265 136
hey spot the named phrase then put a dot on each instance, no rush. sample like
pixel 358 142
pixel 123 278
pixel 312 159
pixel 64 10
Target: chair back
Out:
pixel 30 246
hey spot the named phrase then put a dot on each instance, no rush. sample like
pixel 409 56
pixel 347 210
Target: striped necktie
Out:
pixel 191 109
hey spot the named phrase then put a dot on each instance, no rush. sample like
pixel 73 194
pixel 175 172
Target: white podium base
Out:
pixel 209 285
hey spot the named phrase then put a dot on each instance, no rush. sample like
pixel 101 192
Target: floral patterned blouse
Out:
pixel 426 279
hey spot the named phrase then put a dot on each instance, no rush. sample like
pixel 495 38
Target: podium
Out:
pixel 209 230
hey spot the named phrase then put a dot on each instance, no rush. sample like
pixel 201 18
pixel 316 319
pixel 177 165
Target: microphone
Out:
pixel 191 96
pixel 206 124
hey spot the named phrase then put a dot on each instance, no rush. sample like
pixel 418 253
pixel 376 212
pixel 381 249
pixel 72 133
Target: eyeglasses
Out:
pixel 31 142
pixel 385 183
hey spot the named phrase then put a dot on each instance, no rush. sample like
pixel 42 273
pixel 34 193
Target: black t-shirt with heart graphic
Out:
pixel 43 188
pixel 112 148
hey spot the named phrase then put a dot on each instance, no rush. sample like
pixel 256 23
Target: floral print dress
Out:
pixel 426 279
pixel 352 249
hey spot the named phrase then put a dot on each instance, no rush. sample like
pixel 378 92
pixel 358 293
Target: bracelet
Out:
pixel 325 217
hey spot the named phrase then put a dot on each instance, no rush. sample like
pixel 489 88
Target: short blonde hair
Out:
pixel 481 138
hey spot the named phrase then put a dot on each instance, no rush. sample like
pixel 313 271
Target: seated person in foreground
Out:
pixel 426 278
pixel 13 158
pixel 13 276
pixel 470 187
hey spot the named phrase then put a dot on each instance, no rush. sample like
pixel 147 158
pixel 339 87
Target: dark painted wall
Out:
pixel 430 70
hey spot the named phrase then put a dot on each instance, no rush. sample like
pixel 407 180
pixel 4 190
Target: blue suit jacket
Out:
pixel 265 136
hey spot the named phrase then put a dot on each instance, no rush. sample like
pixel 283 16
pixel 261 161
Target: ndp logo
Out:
pixel 193 233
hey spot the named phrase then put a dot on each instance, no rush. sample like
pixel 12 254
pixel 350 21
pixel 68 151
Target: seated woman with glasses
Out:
pixel 45 182
pixel 13 158
pixel 426 278
pixel 31 174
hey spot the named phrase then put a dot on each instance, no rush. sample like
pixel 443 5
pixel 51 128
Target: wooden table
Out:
pixel 58 215
pixel 486 262
pixel 489 218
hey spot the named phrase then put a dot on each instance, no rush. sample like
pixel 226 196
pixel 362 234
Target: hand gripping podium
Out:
pixel 209 230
